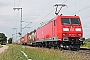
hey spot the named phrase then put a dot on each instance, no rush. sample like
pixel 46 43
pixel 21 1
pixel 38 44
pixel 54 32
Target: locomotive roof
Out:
pixel 66 16
pixel 60 16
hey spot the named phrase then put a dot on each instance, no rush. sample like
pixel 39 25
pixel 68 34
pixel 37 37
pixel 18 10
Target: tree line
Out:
pixel 3 39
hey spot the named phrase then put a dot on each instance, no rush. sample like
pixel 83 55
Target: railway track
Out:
pixel 85 53
pixel 82 54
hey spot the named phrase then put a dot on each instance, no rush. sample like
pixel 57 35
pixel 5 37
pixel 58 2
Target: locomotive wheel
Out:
pixel 60 48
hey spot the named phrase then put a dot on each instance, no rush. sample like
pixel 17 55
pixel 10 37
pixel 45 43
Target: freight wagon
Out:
pixel 29 38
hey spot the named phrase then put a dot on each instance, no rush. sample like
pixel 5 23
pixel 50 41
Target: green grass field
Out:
pixel 14 53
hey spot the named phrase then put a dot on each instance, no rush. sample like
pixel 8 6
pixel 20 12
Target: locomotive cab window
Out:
pixel 54 22
pixel 75 21
pixel 65 21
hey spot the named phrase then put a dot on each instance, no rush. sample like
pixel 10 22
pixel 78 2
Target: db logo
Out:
pixel 71 29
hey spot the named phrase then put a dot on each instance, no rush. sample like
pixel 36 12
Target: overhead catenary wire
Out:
pixel 53 10
pixel 46 5
pixel 18 3
pixel 78 11
pixel 39 12
pixel 72 4
pixel 44 17
pixel 82 9
pixel 65 1
pixel 86 17
pixel 49 13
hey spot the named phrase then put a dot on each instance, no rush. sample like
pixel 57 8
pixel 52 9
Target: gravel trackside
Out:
pixel 3 48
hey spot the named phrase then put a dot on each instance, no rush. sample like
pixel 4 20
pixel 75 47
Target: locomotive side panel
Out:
pixel 59 28
pixel 45 31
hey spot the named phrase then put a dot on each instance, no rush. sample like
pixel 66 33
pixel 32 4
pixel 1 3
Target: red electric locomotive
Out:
pixel 62 32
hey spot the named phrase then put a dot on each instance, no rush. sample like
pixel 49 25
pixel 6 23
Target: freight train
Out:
pixel 64 32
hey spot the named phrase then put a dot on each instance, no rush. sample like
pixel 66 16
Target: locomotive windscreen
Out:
pixel 75 21
pixel 66 21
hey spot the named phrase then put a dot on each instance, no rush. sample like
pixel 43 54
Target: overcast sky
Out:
pixel 37 11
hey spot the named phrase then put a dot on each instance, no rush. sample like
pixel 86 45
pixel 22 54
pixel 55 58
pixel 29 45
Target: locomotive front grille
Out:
pixel 74 40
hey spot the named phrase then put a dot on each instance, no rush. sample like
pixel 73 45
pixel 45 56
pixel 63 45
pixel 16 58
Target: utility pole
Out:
pixel 20 21
pixel 16 31
pixel 13 37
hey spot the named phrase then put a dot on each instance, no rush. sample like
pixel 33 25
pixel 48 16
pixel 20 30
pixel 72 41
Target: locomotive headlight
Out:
pixel 65 29
pixel 64 34
pixel 78 29
pixel 79 34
